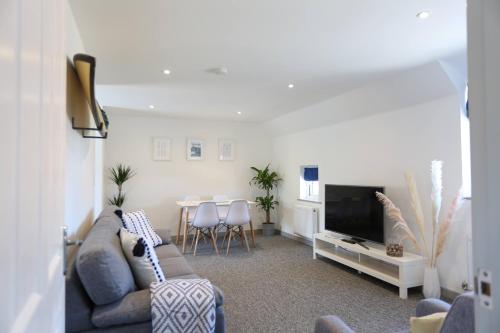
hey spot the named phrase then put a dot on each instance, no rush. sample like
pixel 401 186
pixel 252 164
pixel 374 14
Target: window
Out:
pixel 309 183
pixel 465 136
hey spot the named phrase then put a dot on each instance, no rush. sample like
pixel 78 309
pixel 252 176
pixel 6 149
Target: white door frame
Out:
pixel 484 89
pixel 32 145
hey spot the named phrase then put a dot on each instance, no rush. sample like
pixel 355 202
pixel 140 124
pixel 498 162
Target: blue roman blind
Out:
pixel 311 174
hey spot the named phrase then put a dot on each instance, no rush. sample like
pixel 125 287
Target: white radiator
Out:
pixel 305 221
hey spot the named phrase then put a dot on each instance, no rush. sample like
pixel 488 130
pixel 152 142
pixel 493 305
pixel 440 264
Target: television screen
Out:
pixel 354 211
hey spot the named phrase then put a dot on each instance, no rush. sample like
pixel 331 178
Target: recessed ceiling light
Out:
pixel 424 15
pixel 166 71
pixel 151 106
pixel 239 112
pixel 290 85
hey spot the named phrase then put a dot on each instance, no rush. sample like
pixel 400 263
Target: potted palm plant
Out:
pixel 266 179
pixel 119 175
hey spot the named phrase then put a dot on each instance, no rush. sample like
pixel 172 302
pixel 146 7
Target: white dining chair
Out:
pixel 222 209
pixel 205 220
pixel 237 217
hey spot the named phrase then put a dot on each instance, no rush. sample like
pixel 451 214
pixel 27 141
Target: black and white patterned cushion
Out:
pixel 138 223
pixel 183 306
pixel 142 259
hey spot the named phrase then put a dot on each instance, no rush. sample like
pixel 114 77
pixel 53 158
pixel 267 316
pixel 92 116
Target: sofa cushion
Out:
pixel 166 237
pixel 167 251
pixel 135 308
pixel 142 258
pixel 138 223
pixel 427 324
pixel 173 267
pixel 101 264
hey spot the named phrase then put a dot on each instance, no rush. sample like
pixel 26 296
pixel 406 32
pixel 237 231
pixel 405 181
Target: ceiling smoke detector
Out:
pixel 424 15
pixel 218 70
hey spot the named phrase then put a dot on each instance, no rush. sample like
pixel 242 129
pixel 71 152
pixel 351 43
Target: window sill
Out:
pixel 309 200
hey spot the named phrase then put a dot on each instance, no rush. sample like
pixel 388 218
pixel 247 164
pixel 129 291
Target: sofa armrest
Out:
pixel 135 307
pixel 331 324
pixel 165 235
pixel 431 305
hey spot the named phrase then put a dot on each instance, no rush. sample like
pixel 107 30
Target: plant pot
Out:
pixel 268 229
pixel 432 288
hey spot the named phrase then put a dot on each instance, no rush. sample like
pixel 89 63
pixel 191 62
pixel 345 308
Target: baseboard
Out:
pixel 297 238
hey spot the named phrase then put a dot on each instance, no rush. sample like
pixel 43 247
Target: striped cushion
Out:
pixel 138 223
pixel 142 258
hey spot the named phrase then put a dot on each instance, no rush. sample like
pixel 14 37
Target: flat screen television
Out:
pixel 354 211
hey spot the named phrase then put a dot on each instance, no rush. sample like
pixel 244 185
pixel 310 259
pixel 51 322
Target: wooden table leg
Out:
pixel 179 228
pixel 253 233
pixel 196 243
pixel 245 237
pixel 184 238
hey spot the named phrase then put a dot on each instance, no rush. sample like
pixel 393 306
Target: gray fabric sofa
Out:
pixel 460 317
pixel 101 295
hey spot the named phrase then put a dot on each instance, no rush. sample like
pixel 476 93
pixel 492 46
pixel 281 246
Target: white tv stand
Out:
pixel 404 272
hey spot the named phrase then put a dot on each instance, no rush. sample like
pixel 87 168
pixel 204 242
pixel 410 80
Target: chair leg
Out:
pixel 246 240
pixel 224 239
pixel 229 241
pixel 253 233
pixel 216 231
pixel 241 231
pixel 192 241
pixel 196 243
pixel 179 227
pixel 214 242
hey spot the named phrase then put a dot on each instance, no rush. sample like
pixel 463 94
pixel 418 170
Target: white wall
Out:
pixel 159 184
pixel 83 184
pixel 376 150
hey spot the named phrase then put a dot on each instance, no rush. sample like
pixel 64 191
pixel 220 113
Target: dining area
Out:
pixel 208 220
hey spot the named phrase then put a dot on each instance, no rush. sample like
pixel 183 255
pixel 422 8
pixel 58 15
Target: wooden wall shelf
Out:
pixel 86 114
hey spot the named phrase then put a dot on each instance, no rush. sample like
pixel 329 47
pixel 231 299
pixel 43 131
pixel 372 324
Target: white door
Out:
pixel 32 98
pixel 484 87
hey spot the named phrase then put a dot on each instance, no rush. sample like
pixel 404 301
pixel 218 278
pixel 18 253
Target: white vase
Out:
pixel 432 288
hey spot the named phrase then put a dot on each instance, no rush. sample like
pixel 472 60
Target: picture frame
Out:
pixel 162 149
pixel 195 150
pixel 226 150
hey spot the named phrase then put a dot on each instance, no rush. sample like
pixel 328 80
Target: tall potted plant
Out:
pixel 119 175
pixel 266 179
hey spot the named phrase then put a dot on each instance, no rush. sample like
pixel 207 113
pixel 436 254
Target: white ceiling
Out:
pixel 323 47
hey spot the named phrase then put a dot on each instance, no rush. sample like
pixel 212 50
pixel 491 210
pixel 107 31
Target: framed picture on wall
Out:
pixel 162 150
pixel 226 150
pixel 195 150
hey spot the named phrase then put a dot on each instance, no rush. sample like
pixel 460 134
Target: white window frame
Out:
pixel 308 190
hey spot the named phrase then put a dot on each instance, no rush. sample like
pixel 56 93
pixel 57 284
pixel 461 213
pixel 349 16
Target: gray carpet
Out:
pixel 278 287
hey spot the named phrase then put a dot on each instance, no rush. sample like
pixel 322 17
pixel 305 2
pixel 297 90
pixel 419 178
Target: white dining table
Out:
pixel 184 205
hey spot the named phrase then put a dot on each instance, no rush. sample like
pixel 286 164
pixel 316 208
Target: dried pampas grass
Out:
pixel 441 230
pixel 436 199
pixel 444 227
pixel 394 214
pixel 417 207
